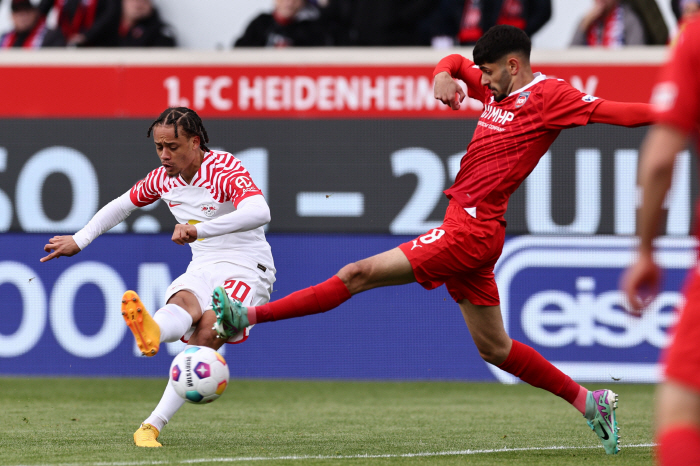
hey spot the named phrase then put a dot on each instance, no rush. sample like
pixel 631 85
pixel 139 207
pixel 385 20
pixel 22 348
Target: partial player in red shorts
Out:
pixel 523 114
pixel 676 99
pixel 461 254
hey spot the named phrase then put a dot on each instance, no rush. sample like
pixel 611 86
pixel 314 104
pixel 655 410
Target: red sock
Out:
pixel 678 445
pixel 313 300
pixel 531 367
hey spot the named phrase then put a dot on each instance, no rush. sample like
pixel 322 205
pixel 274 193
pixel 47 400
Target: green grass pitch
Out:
pixel 52 421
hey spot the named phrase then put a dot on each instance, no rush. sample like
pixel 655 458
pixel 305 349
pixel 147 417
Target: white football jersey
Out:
pixel 217 188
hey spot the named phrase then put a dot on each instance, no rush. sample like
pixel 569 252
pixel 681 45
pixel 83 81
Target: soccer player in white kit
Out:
pixel 220 213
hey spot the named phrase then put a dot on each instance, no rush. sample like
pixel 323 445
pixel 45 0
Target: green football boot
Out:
pixel 231 315
pixel 600 415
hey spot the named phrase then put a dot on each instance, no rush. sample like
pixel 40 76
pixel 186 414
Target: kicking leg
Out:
pixel 385 269
pixel 168 324
pixel 485 324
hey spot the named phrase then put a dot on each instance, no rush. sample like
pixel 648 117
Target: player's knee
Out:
pixel 492 354
pixel 354 275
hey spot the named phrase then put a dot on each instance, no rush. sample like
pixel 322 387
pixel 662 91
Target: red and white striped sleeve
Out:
pixel 149 189
pixel 235 181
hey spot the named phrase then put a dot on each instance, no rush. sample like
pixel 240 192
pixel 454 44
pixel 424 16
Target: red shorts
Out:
pixel 682 357
pixel 461 253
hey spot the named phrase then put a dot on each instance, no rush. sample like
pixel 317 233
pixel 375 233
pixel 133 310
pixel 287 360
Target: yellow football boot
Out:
pixel 146 331
pixel 146 436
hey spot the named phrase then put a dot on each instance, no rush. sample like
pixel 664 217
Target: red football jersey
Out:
pixel 511 135
pixel 680 76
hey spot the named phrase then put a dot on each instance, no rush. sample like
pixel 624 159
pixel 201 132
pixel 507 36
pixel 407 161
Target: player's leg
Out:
pixel 186 297
pixel 385 269
pixel 250 286
pixel 677 424
pixel 485 324
pixel 169 404
pixel 678 399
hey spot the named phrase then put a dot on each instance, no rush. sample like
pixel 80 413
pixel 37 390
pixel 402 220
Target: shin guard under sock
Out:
pixel 531 367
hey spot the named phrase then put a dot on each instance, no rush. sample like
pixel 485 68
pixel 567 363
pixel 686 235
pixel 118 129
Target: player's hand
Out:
pixel 61 246
pixel 447 91
pixel 184 233
pixel 640 283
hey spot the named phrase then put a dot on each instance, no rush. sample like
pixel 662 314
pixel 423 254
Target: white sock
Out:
pixel 173 321
pixel 168 405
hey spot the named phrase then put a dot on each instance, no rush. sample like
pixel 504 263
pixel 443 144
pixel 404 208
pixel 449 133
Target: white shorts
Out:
pixel 251 287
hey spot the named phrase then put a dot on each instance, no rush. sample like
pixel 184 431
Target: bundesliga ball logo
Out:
pixel 199 374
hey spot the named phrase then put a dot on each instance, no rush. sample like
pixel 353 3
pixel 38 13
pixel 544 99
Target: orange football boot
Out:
pixel 146 331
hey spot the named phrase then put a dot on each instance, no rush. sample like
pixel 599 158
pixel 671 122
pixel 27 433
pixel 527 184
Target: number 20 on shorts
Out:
pixel 237 289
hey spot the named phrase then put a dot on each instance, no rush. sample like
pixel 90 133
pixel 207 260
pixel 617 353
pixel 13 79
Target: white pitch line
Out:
pixel 339 457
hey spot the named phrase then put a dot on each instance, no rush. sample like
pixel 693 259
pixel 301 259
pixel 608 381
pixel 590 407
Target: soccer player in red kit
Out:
pixel 676 100
pixel 523 114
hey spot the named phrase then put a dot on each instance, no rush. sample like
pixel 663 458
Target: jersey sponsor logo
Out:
pixel 573 311
pixel 497 114
pixel 522 98
pixel 244 182
pixel 208 209
pixel 490 126
pixel 589 98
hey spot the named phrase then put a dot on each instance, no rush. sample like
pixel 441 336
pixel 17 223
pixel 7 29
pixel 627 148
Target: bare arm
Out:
pixel 629 114
pixel 641 281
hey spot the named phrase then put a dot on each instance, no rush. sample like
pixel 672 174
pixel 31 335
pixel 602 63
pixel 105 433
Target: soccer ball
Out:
pixel 199 374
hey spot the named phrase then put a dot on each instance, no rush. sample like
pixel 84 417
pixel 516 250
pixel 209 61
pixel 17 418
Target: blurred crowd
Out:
pixel 86 23
pixel 318 23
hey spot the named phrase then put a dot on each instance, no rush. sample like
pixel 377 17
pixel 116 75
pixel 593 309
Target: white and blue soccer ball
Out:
pixel 199 374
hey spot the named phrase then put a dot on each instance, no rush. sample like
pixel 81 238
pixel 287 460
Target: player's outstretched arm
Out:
pixel 629 114
pixel 641 281
pixel 105 218
pixel 60 246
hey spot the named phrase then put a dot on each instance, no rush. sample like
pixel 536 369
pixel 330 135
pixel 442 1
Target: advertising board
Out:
pixel 353 157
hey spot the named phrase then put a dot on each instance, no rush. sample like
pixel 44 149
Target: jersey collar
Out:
pixel 538 78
